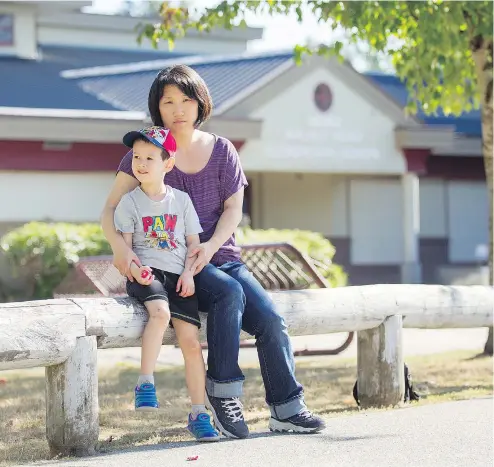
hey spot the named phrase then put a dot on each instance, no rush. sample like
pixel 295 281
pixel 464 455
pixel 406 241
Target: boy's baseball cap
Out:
pixel 157 135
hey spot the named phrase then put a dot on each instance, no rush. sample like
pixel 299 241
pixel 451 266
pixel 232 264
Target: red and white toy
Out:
pixel 145 274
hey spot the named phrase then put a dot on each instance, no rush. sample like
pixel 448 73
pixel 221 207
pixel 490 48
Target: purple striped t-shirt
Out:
pixel 208 189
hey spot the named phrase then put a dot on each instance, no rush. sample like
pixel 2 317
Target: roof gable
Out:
pixel 246 104
pixel 347 133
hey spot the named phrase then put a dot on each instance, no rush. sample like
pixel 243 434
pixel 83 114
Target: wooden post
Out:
pixel 380 371
pixel 72 421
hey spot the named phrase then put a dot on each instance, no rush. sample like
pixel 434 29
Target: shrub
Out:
pixel 40 254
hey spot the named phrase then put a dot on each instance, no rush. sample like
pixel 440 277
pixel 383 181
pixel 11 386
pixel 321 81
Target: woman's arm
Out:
pixel 123 254
pixel 227 224
pixel 229 220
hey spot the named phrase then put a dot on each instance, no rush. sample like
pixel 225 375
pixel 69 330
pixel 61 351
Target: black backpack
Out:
pixel 410 393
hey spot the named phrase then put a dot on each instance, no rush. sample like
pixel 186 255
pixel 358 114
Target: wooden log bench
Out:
pixel 63 335
pixel 277 266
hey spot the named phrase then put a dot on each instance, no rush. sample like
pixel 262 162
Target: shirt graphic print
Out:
pixel 159 231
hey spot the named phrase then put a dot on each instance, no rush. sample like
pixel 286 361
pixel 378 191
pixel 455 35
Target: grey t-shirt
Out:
pixel 159 228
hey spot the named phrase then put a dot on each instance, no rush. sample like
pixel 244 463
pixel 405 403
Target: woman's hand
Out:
pixel 123 256
pixel 204 252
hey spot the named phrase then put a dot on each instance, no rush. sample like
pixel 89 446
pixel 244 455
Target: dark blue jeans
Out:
pixel 235 300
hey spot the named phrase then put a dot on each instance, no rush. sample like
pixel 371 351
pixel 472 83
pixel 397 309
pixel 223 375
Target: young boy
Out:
pixel 160 224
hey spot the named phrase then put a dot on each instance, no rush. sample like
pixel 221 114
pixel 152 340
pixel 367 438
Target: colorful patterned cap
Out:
pixel 157 135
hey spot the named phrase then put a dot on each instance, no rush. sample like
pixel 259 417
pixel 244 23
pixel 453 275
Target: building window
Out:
pixel 323 97
pixel 6 30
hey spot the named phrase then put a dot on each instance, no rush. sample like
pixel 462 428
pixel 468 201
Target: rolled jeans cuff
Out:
pixel 288 409
pixel 224 390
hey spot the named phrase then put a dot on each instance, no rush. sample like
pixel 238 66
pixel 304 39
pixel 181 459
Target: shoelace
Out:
pixel 146 393
pixel 233 408
pixel 305 414
pixel 202 425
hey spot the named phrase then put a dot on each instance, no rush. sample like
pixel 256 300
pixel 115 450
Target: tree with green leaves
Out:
pixel 441 50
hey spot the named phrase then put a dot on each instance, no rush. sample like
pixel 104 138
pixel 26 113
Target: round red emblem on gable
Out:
pixel 323 97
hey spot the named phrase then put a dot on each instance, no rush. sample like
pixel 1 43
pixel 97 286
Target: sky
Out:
pixel 275 28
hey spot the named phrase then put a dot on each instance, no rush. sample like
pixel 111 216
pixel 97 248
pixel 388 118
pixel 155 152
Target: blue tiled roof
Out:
pixel 129 90
pixel 469 123
pixel 29 83
pixel 38 84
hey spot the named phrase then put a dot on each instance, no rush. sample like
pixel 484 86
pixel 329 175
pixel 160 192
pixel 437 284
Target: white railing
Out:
pixel 63 335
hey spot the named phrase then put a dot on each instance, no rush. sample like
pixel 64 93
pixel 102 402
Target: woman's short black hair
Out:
pixel 165 155
pixel 189 82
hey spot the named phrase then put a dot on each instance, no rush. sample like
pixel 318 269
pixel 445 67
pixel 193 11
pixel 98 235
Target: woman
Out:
pixel 208 168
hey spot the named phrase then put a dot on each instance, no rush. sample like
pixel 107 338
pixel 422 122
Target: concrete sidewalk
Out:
pixel 452 434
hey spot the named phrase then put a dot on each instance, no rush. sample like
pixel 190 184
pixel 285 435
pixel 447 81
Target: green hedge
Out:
pixel 42 253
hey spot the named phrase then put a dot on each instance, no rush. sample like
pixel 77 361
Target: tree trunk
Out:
pixel 482 53
pixel 488 344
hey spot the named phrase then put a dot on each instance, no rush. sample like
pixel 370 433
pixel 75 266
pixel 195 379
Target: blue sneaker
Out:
pixel 202 429
pixel 145 398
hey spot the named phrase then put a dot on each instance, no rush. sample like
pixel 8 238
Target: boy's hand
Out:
pixel 185 284
pixel 145 275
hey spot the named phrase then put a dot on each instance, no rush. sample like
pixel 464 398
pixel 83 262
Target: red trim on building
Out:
pixel 417 160
pixel 87 157
pixel 84 157
pixel 456 167
pixel 97 157
pixel 238 144
pixel 424 164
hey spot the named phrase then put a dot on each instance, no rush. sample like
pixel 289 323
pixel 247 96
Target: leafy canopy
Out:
pixel 429 42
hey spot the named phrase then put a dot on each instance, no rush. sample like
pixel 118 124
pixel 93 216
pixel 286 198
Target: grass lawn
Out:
pixel 328 383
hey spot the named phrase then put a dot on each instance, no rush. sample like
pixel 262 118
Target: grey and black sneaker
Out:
pixel 303 422
pixel 228 416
